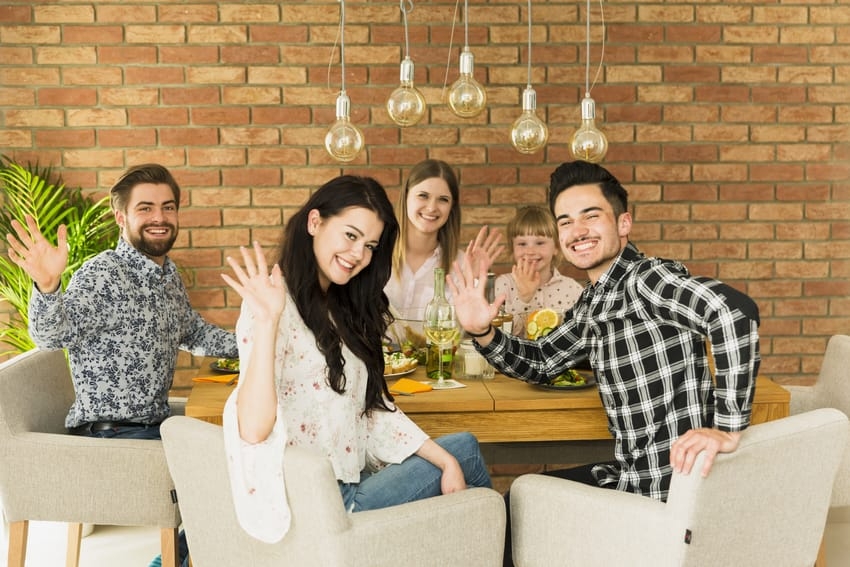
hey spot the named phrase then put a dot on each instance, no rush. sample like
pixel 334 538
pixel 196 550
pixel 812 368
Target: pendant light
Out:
pixel 406 105
pixel 529 133
pixel 588 142
pixel 343 140
pixel 467 98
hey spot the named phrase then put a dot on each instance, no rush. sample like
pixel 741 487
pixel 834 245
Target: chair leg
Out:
pixel 18 543
pixel 75 537
pixel 168 538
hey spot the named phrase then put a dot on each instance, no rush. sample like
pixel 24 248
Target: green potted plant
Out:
pixel 36 191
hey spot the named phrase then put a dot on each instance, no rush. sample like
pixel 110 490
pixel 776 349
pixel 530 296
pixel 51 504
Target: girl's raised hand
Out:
pixel 527 279
pixel 262 292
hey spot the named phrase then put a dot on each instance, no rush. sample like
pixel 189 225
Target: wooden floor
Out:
pixel 108 546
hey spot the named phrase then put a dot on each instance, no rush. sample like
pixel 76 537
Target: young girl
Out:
pixel 534 282
pixel 312 368
pixel 429 236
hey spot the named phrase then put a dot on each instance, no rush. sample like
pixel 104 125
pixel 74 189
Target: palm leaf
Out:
pixel 30 190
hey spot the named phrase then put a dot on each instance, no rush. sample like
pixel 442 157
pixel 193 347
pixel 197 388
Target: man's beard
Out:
pixel 153 249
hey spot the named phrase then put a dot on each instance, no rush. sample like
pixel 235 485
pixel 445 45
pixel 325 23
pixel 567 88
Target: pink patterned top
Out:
pixel 559 293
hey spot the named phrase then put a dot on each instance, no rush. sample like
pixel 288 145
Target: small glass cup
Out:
pixel 470 365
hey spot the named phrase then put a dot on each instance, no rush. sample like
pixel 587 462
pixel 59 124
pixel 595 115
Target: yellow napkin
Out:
pixel 408 386
pixel 218 378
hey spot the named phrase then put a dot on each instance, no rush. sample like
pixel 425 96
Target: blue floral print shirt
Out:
pixel 123 319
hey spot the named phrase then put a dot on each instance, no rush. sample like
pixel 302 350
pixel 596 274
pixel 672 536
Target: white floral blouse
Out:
pixel 309 414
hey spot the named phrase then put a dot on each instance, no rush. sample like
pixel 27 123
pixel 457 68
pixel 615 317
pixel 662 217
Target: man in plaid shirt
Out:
pixel 642 325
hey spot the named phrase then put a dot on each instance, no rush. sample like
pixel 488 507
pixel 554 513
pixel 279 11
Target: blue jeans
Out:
pixel 415 478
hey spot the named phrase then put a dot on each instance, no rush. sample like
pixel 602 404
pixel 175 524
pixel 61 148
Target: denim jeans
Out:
pixel 415 478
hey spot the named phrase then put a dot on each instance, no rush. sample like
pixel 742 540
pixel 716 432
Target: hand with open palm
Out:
pixel 262 293
pixel 527 279
pixel 37 256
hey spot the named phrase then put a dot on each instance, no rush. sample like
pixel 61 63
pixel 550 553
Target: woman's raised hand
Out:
pixel 39 258
pixel 263 293
pixel 484 249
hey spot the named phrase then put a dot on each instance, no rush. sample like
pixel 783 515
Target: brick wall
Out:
pixel 728 122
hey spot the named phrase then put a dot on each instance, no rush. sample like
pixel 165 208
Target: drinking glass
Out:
pixel 442 330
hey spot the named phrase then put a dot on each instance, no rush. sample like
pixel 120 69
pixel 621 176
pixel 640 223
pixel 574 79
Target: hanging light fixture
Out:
pixel 343 140
pixel 467 98
pixel 588 142
pixel 529 133
pixel 406 105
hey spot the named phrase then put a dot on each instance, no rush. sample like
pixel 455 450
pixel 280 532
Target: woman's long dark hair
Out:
pixel 356 313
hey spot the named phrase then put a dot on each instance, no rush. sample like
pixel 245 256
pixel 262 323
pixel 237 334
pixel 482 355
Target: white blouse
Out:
pixel 409 292
pixel 559 293
pixel 309 414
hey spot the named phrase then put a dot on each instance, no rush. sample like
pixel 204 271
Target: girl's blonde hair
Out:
pixel 533 220
pixel 449 234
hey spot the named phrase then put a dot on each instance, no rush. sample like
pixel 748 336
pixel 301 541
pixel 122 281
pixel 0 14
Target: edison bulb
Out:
pixel 406 105
pixel 589 143
pixel 344 140
pixel 529 133
pixel 467 98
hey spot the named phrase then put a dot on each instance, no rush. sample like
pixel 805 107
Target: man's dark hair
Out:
pixel 580 172
pixel 145 173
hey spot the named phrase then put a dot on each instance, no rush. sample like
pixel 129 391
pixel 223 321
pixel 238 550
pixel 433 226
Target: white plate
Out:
pixel 405 373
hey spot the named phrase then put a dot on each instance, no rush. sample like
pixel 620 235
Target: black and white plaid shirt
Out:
pixel 642 328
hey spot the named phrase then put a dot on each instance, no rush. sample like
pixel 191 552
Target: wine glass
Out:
pixel 442 330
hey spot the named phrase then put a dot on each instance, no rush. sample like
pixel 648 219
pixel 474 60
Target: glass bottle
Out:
pixel 442 330
pixel 503 320
pixel 490 292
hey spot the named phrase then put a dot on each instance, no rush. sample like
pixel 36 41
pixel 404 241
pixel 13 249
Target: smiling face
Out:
pixel 590 234
pixel 429 203
pixel 150 221
pixel 343 244
pixel 538 250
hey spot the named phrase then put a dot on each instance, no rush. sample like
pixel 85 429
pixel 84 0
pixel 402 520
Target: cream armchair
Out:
pixel 763 505
pixel 832 390
pixel 48 475
pixel 465 528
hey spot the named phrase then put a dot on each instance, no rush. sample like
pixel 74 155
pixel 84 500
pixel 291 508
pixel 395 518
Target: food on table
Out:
pixel 541 322
pixel 227 364
pixel 568 379
pixel 397 362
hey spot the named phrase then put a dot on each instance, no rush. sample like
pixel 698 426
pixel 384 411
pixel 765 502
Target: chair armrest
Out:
pixel 560 522
pixel 464 528
pixel 803 398
pixel 130 470
pixel 177 405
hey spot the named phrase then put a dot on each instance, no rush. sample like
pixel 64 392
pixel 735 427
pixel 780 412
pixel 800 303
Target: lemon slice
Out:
pixel 541 322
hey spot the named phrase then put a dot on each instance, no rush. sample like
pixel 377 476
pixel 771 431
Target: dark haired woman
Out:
pixel 312 367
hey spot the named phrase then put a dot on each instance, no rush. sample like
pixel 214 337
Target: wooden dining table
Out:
pixel 502 410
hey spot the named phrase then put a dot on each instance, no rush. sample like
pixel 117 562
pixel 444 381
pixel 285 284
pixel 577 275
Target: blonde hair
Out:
pixel 448 236
pixel 533 220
